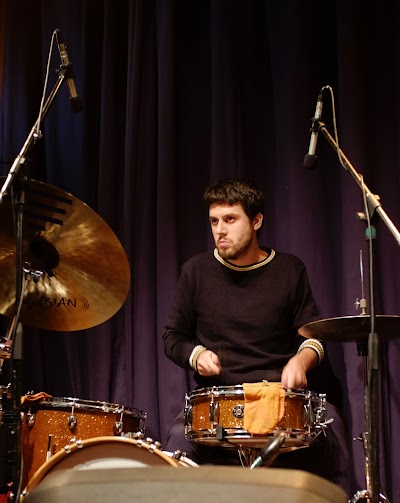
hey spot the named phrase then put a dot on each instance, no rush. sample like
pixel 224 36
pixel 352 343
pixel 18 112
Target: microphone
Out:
pixel 75 101
pixel 310 159
pixel 270 450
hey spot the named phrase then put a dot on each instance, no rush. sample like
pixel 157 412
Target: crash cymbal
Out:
pixel 352 328
pixel 77 273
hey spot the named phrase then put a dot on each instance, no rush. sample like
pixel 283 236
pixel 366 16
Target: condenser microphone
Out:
pixel 75 101
pixel 310 159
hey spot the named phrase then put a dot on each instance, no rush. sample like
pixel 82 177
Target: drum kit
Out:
pixel 64 275
pixel 54 278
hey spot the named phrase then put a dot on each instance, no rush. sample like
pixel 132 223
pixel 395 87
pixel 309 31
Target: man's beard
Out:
pixel 236 251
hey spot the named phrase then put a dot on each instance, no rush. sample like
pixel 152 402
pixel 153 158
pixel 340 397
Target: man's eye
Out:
pixel 230 219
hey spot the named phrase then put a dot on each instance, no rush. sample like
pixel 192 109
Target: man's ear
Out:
pixel 257 221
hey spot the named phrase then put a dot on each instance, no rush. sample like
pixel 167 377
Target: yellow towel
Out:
pixel 264 406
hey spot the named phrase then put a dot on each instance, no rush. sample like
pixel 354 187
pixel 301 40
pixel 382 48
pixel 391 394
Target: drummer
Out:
pixel 235 318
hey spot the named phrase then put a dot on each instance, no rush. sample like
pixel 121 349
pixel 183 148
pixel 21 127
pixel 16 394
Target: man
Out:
pixel 235 317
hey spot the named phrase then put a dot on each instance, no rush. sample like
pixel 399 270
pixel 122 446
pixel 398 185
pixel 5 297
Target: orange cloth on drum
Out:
pixel 264 406
pixel 35 397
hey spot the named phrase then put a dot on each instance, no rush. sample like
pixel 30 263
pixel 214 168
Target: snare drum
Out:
pixel 103 453
pixel 214 416
pixel 50 424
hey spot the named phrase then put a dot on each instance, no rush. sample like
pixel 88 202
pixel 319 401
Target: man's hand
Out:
pixel 208 363
pixel 294 373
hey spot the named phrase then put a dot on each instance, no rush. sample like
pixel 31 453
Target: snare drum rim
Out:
pixel 237 390
pixel 86 405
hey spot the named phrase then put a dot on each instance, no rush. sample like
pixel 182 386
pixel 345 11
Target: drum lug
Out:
pixel 320 411
pixel 72 422
pixel 153 445
pixel 308 416
pixel 214 413
pixel 30 419
pixel 118 427
pixel 188 416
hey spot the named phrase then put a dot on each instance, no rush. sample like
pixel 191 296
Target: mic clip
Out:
pixel 65 71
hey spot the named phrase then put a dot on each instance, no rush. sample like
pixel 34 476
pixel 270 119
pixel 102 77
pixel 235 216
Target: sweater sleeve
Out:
pixel 181 325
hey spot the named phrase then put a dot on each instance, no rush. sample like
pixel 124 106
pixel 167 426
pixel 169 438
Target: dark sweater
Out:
pixel 249 318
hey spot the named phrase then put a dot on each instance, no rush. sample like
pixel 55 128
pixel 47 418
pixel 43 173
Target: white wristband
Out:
pixel 194 356
pixel 316 346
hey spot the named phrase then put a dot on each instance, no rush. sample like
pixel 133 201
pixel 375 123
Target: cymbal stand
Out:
pixel 18 194
pixel 370 436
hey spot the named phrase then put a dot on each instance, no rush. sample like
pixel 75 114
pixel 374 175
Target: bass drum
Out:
pixel 103 453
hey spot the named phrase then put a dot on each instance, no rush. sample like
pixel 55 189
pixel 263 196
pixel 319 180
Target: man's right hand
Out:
pixel 208 364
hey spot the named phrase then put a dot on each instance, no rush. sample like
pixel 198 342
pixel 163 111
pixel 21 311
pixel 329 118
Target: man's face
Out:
pixel 233 231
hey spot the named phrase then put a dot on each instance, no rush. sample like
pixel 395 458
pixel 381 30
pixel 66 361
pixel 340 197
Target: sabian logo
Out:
pixel 61 302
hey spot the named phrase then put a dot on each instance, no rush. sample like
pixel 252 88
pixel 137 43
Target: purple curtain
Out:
pixel 178 94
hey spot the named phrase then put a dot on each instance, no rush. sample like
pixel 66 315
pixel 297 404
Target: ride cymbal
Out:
pixel 77 273
pixel 352 328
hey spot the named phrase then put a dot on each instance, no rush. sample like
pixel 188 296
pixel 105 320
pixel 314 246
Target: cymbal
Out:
pixel 77 273
pixel 351 328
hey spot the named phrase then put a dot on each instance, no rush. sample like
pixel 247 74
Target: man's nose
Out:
pixel 221 227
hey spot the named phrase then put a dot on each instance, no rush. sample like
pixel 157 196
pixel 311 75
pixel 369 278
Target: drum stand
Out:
pixel 365 437
pixel 14 184
pixel 370 437
pixel 268 453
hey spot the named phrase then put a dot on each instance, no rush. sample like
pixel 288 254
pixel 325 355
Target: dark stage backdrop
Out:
pixel 178 94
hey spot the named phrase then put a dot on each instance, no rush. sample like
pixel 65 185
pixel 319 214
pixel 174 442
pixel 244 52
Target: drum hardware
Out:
pixel 30 419
pixel 178 454
pixel 356 329
pixel 119 426
pixel 214 412
pixel 182 458
pixel 269 452
pixel 369 328
pixel 49 447
pixel 72 421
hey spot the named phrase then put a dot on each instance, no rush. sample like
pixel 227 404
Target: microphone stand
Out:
pixel 371 436
pixel 19 201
